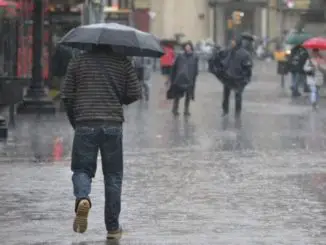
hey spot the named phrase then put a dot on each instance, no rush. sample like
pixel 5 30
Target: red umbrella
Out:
pixel 4 3
pixel 315 43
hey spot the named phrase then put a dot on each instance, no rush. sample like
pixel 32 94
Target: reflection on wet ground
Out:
pixel 204 179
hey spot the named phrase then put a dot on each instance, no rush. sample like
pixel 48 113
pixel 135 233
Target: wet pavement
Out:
pixel 201 180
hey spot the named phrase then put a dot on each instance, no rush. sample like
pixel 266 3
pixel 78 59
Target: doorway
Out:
pixel 246 25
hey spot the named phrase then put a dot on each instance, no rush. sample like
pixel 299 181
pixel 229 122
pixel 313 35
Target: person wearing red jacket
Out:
pixel 167 60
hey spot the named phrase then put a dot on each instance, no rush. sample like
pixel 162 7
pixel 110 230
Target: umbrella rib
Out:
pixel 135 33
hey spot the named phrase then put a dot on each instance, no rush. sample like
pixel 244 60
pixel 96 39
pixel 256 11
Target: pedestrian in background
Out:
pixel 143 70
pixel 183 78
pixel 167 61
pixel 315 70
pixel 97 85
pixel 237 74
pixel 297 59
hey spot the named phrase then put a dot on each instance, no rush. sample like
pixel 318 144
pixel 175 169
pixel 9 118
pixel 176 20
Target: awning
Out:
pixel 4 4
pixel 72 2
pixel 248 4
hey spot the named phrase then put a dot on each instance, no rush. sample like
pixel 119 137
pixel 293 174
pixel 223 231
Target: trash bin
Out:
pixel 11 90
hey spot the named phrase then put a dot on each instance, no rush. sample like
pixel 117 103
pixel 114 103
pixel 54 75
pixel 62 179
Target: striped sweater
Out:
pixel 88 92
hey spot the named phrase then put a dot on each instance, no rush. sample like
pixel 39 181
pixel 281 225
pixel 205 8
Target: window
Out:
pixel 123 4
pixel 314 16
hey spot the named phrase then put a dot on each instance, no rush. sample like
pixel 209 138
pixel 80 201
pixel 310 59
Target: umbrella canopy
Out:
pixel 123 39
pixel 4 3
pixel 315 43
pixel 248 36
pixel 297 38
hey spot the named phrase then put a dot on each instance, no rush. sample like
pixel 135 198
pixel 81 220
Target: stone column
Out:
pixel 220 25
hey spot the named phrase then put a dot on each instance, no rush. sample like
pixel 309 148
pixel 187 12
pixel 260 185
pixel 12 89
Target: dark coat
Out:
pixel 184 73
pixel 297 59
pixel 238 65
pixel 215 65
pixel 190 61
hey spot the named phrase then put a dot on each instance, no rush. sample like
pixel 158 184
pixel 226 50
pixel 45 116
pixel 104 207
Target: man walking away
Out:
pixel 96 86
pixel 238 71
pixel 183 78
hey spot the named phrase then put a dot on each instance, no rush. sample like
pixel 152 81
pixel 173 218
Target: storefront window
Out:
pixel 25 40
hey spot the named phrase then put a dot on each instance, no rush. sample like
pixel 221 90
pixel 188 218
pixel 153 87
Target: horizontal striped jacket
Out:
pixel 88 91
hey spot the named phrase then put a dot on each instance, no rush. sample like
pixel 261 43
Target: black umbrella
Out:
pixel 217 68
pixel 247 36
pixel 123 39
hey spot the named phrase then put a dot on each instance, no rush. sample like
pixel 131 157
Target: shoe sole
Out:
pixel 80 222
pixel 114 236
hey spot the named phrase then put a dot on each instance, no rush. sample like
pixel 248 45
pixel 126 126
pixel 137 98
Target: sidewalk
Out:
pixel 201 180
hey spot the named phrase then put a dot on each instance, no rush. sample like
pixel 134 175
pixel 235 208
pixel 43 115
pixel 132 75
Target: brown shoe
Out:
pixel 114 235
pixel 82 210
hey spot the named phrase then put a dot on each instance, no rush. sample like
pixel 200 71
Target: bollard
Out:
pixel 58 149
pixel 3 128
pixel 12 121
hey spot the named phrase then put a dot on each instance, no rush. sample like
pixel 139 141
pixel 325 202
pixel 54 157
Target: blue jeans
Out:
pixel 87 142
pixel 298 79
pixel 314 94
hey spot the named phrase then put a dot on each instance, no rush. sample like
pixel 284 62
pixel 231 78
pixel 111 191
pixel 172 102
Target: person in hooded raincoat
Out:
pixel 237 74
pixel 183 79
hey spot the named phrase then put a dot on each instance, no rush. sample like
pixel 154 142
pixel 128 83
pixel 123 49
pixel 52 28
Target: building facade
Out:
pixel 267 18
pixel 210 19
pixel 254 19
pixel 188 18
pixel 311 13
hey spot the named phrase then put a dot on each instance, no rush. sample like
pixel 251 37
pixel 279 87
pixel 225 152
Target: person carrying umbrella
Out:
pixel 315 67
pixel 98 84
pixel 315 70
pixel 297 59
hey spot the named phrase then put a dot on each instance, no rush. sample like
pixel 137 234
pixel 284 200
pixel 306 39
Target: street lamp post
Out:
pixel 36 100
